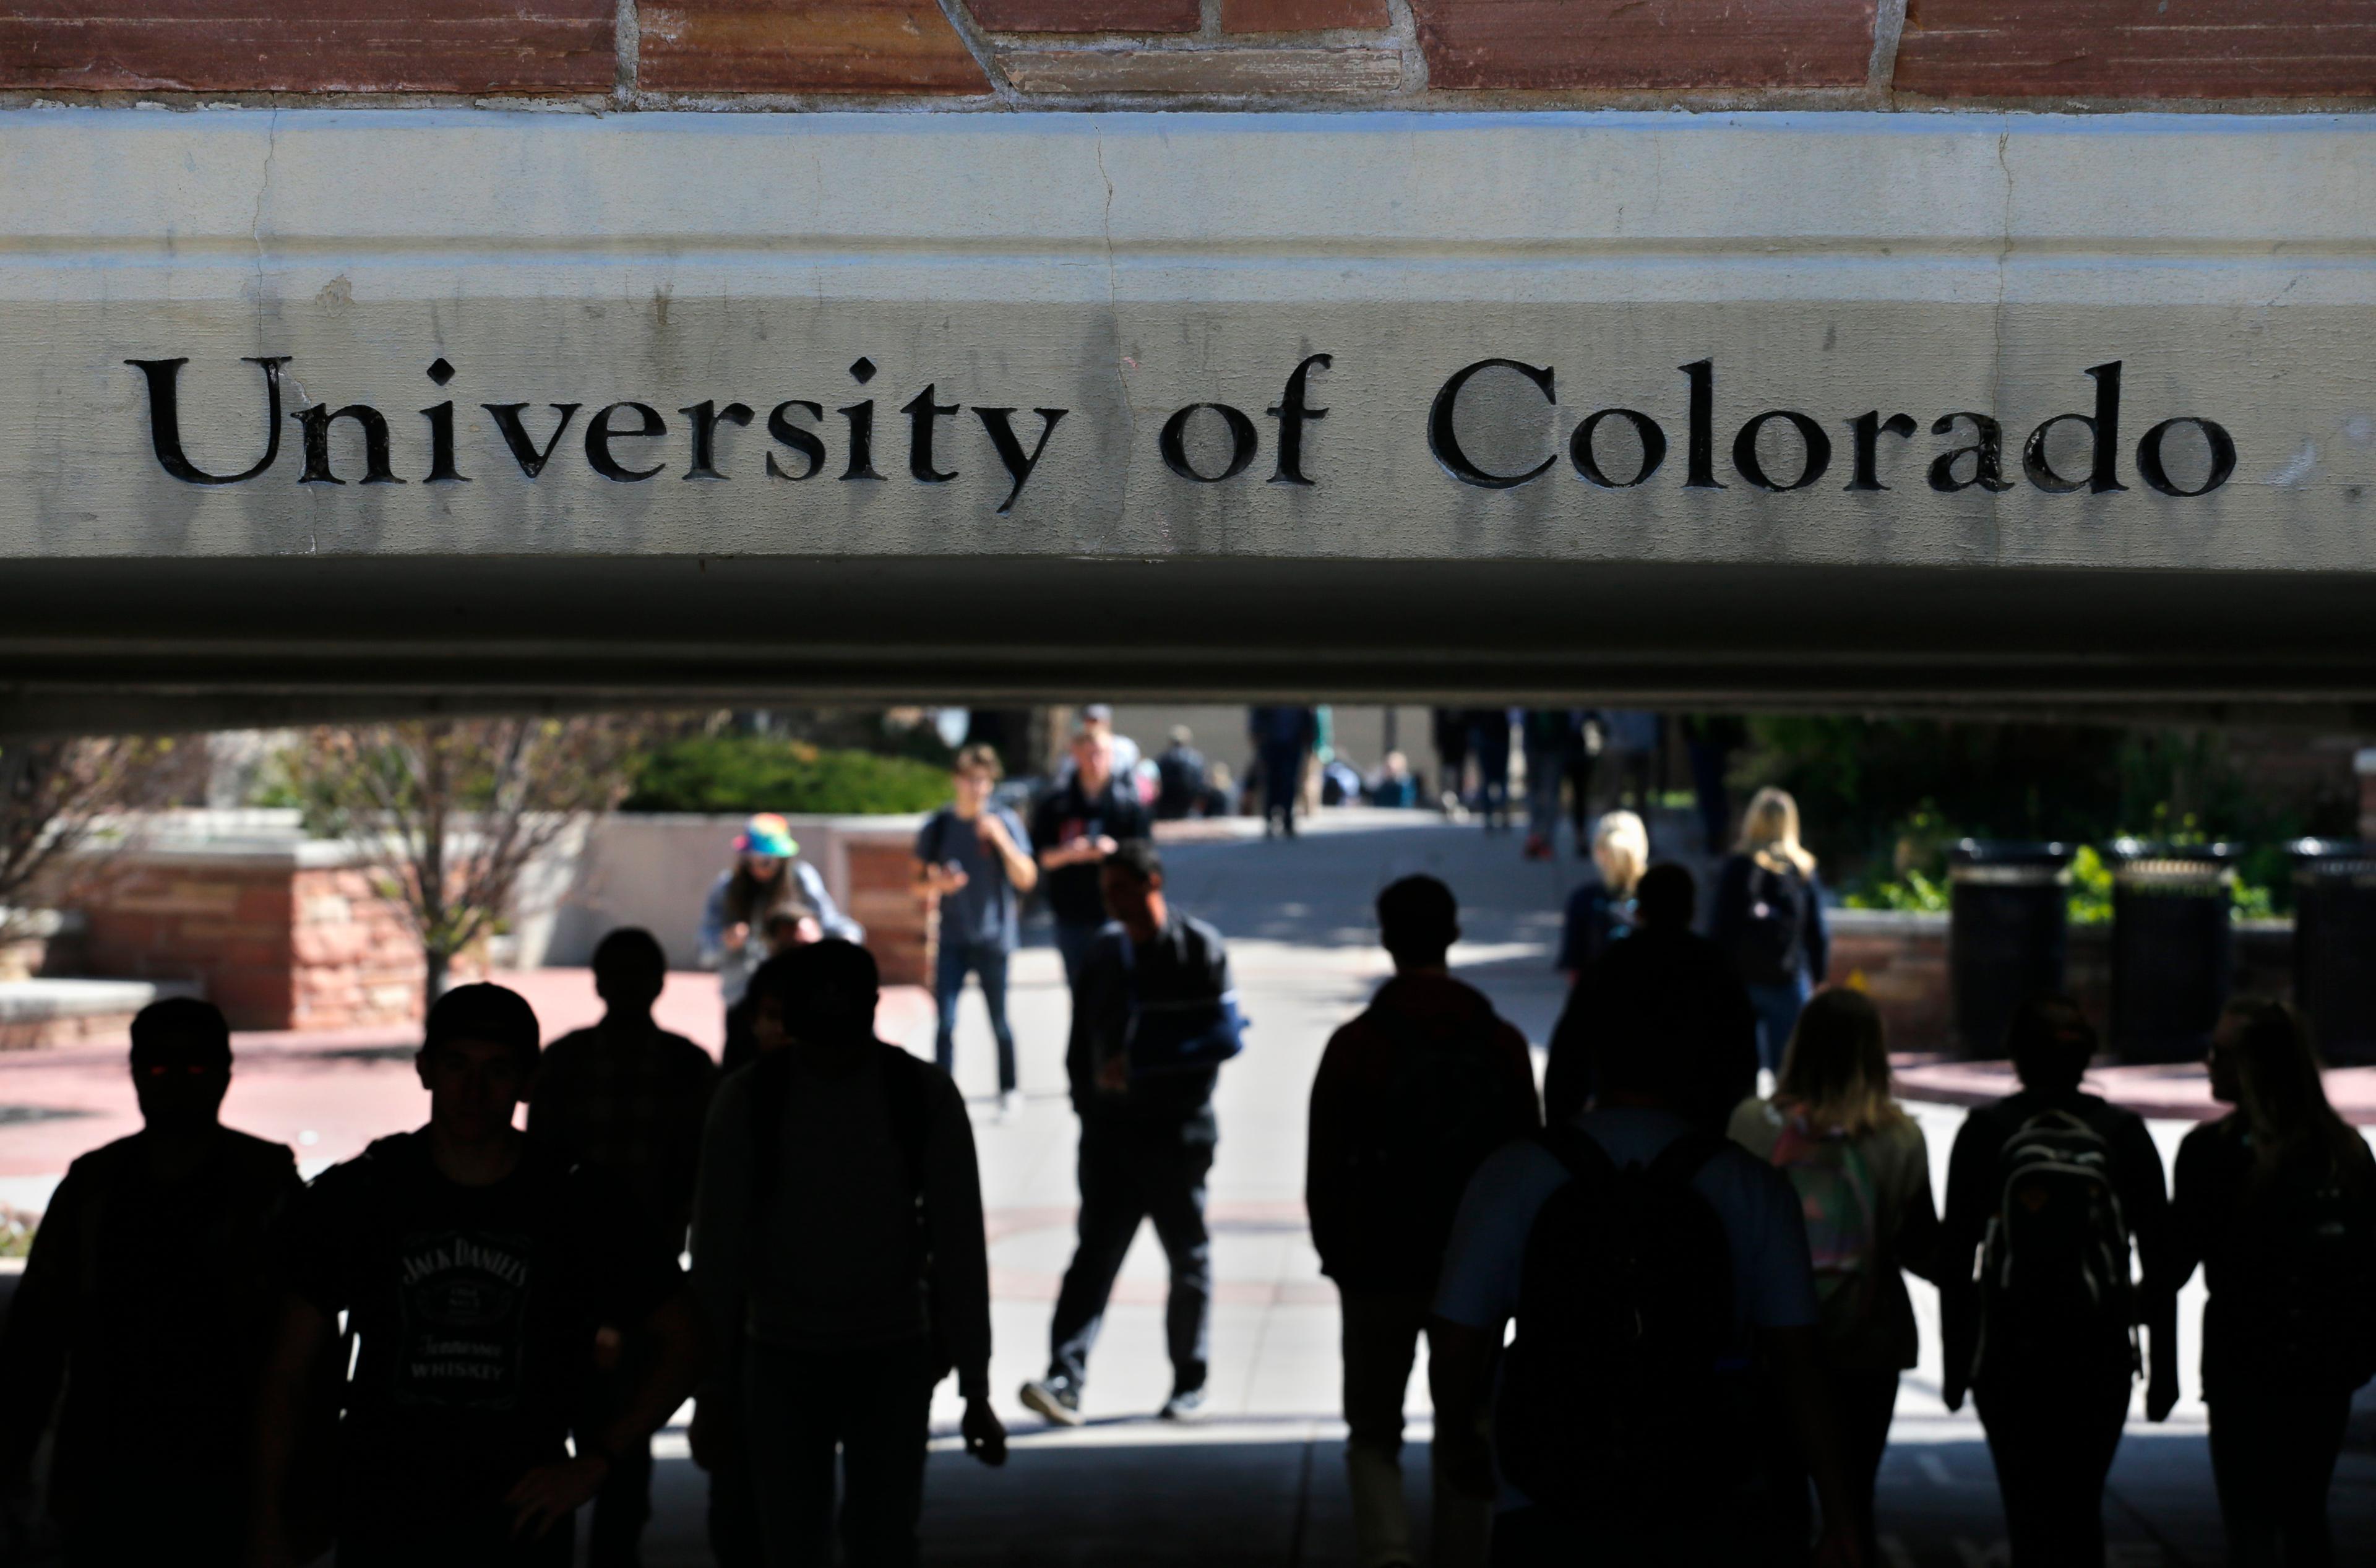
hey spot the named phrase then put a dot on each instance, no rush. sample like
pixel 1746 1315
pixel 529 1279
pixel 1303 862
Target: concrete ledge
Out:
pixel 37 1014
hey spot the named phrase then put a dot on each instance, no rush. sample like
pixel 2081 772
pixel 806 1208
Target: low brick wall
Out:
pixel 1901 961
pixel 280 935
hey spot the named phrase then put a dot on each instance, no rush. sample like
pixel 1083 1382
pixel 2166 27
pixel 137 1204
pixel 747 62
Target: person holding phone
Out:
pixel 971 859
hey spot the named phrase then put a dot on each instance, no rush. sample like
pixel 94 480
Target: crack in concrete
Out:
pixel 1996 369
pixel 256 216
pixel 1113 325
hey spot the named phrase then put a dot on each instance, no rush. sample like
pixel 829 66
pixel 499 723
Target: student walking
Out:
pixel 971 857
pixel 1600 912
pixel 626 1097
pixel 1554 736
pixel 143 1300
pixel 1645 1262
pixel 1085 818
pixel 1283 740
pixel 1410 1097
pixel 1769 917
pixel 767 877
pixel 840 1261
pixel 1488 743
pixel 2050 1192
pixel 1862 1173
pixel 2277 1202
pixel 1661 955
pixel 475 1267
pixel 1154 1018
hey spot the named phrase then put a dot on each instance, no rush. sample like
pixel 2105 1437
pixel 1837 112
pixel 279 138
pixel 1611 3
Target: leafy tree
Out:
pixel 59 797
pixel 450 812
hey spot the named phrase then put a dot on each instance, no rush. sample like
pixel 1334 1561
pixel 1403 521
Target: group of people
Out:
pixel 1665 1318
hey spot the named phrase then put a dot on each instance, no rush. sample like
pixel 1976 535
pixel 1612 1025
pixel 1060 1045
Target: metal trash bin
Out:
pixel 2335 946
pixel 2173 946
pixel 2008 935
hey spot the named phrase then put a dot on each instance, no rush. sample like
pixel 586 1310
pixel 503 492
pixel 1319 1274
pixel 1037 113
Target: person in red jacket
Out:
pixel 1410 1097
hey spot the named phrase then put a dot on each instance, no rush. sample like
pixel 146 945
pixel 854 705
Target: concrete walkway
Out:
pixel 1261 1482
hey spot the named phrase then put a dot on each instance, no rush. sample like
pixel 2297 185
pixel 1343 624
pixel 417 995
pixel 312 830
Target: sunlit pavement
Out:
pixel 1261 1480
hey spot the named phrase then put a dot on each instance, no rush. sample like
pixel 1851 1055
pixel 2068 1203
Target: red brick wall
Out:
pixel 274 946
pixel 1241 53
pixel 883 898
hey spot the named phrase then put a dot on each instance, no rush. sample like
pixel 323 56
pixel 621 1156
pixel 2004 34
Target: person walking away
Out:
pixel 791 925
pixel 475 1267
pixel 765 876
pixel 1662 952
pixel 1450 726
pixel 2277 1202
pixel 2050 1193
pixel 1769 917
pixel 1630 746
pixel 1182 781
pixel 1283 739
pixel 626 1097
pixel 1084 819
pixel 840 1261
pixel 1646 1263
pixel 141 1299
pixel 1862 1173
pixel 1489 742
pixel 1600 912
pixel 970 856
pixel 1410 1097
pixel 1551 734
pixel 1154 1019
pixel 1709 744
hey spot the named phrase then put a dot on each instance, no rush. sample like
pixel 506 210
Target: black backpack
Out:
pixel 1627 1387
pixel 2055 1278
pixel 1770 948
pixel 1439 1113
pixel 904 1092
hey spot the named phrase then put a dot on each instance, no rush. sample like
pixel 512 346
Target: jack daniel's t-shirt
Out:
pixel 475 1309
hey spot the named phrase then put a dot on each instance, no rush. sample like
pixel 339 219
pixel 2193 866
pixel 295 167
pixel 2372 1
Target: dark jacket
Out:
pixel 1186 962
pixel 1732 918
pixel 1656 962
pixel 1373 1230
pixel 1072 893
pixel 1974 1194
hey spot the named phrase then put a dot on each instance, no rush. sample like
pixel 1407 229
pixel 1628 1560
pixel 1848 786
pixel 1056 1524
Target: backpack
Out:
pixel 1768 947
pixel 1627 1388
pixel 904 1095
pixel 1837 1198
pixel 1174 1035
pixel 2055 1278
pixel 1440 1112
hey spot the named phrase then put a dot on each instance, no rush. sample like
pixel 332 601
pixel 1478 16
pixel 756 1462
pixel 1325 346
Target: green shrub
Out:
pixel 729 774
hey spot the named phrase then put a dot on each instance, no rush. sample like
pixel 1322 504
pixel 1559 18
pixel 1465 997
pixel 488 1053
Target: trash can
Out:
pixel 2335 946
pixel 2173 946
pixel 2008 934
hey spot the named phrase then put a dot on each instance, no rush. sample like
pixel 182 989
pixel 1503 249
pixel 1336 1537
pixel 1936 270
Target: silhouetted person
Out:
pixel 789 928
pixel 142 1297
pixel 840 1259
pixel 2048 1191
pixel 974 857
pixel 1183 781
pixel 1600 912
pixel 628 1098
pixel 1552 736
pixel 1661 955
pixel 1862 1173
pixel 767 877
pixel 1646 1262
pixel 1283 740
pixel 1091 812
pixel 2277 1201
pixel 1410 1097
pixel 1152 1019
pixel 1769 916
pixel 475 1266
pixel 1448 727
pixel 1488 743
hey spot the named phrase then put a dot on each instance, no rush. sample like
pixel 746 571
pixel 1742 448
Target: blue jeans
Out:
pixel 987 961
pixel 1073 939
pixel 1132 1170
pixel 1777 1013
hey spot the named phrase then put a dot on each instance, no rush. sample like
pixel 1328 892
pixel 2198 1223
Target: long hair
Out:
pixel 752 900
pixel 2281 1095
pixel 1835 1073
pixel 1769 833
pixel 1621 848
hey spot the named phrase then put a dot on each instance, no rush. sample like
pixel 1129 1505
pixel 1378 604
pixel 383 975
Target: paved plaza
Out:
pixel 1261 1480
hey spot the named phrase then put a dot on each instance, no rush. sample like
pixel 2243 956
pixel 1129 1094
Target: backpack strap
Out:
pixel 1580 1152
pixel 1681 1160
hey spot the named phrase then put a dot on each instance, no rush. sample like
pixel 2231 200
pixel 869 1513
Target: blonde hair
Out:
pixel 1769 833
pixel 1835 1073
pixel 1621 848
